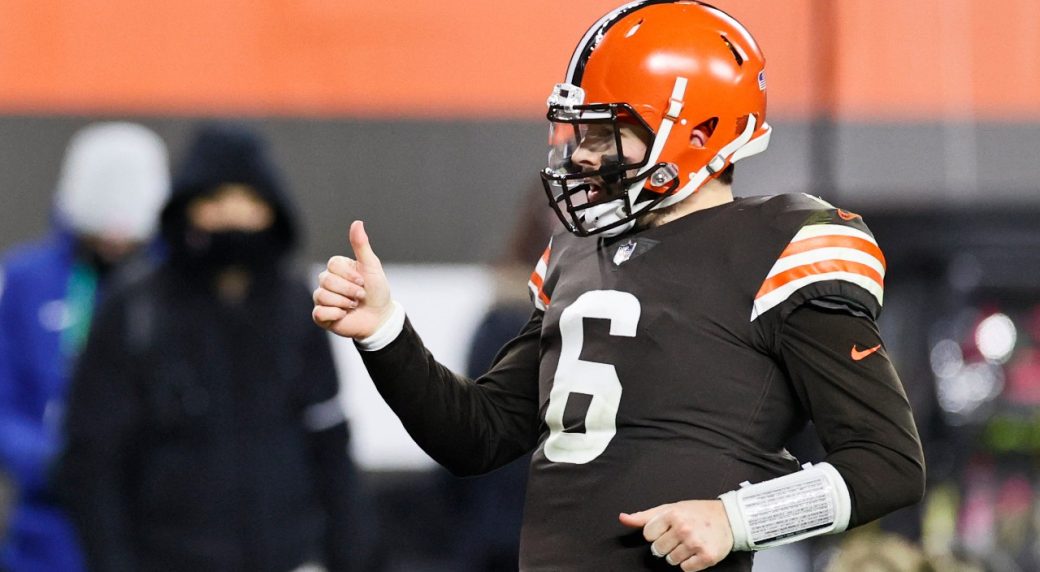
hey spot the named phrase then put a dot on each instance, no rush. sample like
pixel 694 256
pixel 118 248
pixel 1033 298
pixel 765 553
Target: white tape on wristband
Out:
pixel 386 332
pixel 787 509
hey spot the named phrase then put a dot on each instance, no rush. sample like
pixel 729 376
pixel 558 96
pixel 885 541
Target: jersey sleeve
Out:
pixel 831 255
pixel 468 426
pixel 840 371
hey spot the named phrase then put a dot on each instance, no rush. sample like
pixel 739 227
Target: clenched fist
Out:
pixel 692 535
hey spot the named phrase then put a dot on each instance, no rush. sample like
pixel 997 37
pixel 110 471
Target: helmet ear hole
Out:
pixel 742 124
pixel 700 134
pixel 632 31
pixel 738 54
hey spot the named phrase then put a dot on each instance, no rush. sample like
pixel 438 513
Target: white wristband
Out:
pixel 386 332
pixel 787 509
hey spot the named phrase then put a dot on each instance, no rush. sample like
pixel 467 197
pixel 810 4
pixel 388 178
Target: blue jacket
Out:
pixel 38 321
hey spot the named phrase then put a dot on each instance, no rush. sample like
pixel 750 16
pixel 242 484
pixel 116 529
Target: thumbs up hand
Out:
pixel 353 296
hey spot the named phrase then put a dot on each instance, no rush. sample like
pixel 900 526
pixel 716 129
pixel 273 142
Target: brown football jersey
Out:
pixel 657 368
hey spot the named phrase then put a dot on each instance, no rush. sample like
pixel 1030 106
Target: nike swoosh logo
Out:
pixel 860 354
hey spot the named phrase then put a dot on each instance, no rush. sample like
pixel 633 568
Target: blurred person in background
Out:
pixel 113 182
pixel 204 426
pixel 867 550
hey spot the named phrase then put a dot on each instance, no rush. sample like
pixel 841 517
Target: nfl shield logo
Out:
pixel 624 252
pixel 762 80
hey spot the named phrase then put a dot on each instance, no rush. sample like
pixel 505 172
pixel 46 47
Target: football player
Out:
pixel 679 336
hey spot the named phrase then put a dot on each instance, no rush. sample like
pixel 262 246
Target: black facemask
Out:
pixel 216 251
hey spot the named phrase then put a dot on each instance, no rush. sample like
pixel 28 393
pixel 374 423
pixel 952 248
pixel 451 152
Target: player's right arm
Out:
pixel 469 426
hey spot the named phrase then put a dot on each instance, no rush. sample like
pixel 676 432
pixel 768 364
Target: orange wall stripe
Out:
pixel 927 59
pixel 939 59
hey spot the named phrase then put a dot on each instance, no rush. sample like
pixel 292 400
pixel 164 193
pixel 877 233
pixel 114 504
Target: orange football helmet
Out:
pixel 683 72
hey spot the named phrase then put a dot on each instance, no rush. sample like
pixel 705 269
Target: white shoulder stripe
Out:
pixel 774 298
pixel 817 230
pixel 534 296
pixel 540 270
pixel 541 267
pixel 826 253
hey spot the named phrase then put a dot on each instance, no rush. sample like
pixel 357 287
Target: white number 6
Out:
pixel 598 380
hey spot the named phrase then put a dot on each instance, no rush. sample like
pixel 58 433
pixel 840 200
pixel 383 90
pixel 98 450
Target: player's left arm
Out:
pixel 841 372
pixel 833 355
pixel 820 299
pixel 816 312
pixel 835 358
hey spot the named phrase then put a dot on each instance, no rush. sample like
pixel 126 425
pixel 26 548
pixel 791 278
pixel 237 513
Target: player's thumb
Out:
pixel 362 248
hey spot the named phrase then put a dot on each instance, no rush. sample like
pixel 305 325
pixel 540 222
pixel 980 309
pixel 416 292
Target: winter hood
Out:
pixel 223 153
pixel 114 180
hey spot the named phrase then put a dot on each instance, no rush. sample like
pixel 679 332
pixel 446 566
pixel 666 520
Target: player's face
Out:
pixel 599 147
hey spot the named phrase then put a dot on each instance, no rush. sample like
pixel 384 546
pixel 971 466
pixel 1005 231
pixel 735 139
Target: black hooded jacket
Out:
pixel 202 434
pixel 226 153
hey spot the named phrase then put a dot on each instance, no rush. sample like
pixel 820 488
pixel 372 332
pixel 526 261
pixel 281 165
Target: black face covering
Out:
pixel 216 251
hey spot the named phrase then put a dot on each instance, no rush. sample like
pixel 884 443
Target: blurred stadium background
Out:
pixel 425 119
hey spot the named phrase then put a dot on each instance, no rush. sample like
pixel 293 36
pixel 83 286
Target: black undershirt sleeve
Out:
pixel 470 427
pixel 842 375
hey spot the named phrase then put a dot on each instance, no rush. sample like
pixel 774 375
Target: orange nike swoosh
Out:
pixel 860 354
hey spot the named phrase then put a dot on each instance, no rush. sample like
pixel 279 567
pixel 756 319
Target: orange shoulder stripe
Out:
pixel 822 267
pixel 835 241
pixel 537 282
